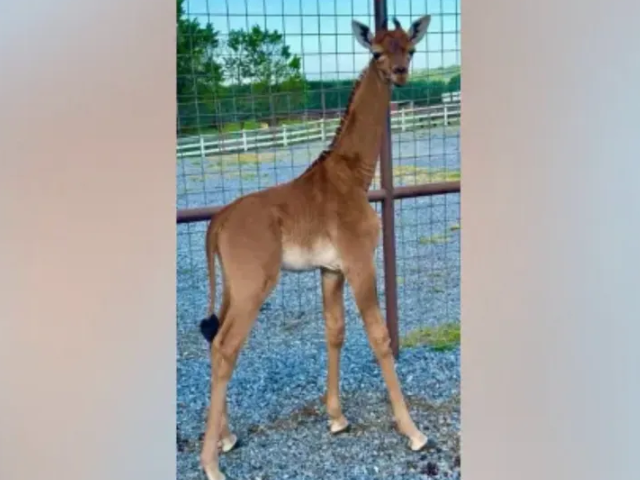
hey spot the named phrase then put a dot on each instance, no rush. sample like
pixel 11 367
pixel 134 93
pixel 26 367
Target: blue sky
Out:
pixel 320 30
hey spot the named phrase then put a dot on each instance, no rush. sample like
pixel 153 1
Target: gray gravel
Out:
pixel 275 402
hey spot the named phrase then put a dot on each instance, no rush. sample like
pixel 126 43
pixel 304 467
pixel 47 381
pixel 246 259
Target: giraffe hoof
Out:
pixel 214 474
pixel 339 426
pixel 421 442
pixel 229 443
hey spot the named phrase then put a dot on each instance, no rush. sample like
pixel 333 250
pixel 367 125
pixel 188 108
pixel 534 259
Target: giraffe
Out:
pixel 320 220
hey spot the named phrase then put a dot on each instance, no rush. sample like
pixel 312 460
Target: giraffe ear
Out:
pixel 362 33
pixel 419 28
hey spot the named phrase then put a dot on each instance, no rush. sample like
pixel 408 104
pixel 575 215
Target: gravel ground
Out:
pixel 275 404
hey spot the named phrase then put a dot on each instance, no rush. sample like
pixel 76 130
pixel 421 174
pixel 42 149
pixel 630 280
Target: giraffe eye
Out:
pixel 411 52
pixel 377 55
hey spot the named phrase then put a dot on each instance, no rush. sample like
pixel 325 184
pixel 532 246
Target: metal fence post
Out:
pixel 388 214
pixel 245 147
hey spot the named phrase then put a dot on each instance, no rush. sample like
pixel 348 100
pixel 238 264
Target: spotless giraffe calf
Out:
pixel 320 220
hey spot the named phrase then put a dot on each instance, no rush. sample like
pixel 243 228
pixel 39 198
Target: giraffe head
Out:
pixel 392 49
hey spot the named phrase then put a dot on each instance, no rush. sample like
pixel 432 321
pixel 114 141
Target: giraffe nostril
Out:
pixel 399 70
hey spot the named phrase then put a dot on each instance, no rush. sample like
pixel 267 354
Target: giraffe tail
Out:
pixel 210 325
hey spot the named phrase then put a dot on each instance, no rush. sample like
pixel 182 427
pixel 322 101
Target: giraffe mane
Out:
pixel 343 119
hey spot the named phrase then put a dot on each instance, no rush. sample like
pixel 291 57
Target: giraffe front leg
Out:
pixel 361 276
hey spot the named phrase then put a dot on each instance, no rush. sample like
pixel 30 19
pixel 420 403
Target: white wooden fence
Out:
pixel 452 97
pixel 319 130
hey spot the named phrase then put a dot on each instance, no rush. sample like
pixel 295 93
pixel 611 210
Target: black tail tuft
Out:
pixel 209 327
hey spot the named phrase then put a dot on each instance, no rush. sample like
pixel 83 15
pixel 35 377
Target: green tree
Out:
pixel 262 59
pixel 199 75
pixel 454 83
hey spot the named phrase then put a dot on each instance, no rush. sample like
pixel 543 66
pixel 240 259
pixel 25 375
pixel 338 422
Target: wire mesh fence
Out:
pixel 247 72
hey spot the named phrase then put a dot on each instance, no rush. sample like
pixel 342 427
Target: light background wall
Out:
pixel 549 270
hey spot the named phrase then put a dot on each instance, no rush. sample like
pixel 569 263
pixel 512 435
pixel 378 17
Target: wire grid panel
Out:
pixel 250 118
pixel 310 45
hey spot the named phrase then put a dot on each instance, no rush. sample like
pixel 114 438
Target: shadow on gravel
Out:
pixel 372 430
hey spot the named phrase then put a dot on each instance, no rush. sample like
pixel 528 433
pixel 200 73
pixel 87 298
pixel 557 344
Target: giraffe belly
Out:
pixel 300 259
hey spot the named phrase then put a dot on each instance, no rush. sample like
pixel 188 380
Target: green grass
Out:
pixel 226 128
pixel 441 73
pixel 412 175
pixel 233 127
pixel 435 239
pixel 441 337
pixel 237 126
pixel 245 174
pixel 237 160
pixel 245 166
pixel 405 175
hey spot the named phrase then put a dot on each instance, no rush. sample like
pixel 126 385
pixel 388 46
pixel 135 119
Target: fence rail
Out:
pixel 318 130
pixel 204 214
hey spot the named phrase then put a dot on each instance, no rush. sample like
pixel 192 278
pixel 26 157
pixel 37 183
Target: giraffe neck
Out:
pixel 359 134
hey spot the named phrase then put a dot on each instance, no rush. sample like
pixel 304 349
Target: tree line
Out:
pixel 254 77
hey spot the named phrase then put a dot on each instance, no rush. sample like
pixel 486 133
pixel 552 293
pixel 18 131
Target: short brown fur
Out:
pixel 320 220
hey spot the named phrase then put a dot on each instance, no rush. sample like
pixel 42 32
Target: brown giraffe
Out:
pixel 320 220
